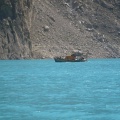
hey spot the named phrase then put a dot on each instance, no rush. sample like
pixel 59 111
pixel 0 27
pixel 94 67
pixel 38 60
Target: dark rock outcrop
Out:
pixel 15 16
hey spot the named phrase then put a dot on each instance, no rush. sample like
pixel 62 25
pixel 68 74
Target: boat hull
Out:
pixel 64 60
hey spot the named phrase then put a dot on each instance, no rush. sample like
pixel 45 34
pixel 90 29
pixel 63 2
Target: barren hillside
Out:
pixel 48 28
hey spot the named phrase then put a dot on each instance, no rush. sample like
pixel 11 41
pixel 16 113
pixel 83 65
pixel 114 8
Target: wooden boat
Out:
pixel 59 59
pixel 74 57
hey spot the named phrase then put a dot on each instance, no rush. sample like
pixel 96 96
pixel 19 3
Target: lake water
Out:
pixel 45 90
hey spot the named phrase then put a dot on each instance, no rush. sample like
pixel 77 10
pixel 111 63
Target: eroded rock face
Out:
pixel 15 16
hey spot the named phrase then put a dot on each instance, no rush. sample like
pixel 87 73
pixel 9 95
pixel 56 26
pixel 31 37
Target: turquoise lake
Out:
pixel 45 90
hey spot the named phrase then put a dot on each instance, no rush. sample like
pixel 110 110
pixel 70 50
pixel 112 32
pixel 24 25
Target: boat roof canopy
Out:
pixel 77 53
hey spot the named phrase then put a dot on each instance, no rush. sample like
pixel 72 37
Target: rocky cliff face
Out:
pixel 48 28
pixel 15 22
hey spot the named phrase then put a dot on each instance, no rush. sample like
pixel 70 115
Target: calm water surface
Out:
pixel 45 90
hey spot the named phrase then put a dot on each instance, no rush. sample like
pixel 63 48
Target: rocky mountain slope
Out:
pixel 48 28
